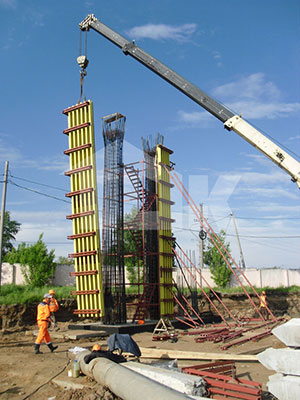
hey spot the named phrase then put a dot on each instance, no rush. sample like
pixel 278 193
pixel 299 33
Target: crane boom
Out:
pixel 231 121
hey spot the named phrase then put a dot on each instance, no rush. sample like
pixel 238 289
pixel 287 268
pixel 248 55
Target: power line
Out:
pixel 241 217
pixel 282 248
pixel 41 193
pixel 262 218
pixel 37 192
pixel 268 218
pixel 37 183
pixel 267 237
pixel 244 236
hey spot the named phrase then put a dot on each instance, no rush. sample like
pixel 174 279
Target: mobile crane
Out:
pixel 231 121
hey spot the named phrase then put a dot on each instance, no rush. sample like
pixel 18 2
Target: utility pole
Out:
pixel 2 215
pixel 243 265
pixel 202 236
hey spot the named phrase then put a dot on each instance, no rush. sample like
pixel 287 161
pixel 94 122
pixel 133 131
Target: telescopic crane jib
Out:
pixel 231 121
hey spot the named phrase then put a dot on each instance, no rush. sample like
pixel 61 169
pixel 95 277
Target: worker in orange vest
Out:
pixel 43 319
pixel 53 305
pixel 263 305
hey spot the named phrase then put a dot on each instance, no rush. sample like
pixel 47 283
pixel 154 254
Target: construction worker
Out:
pixel 108 306
pixel 263 305
pixel 53 308
pixel 43 319
pixel 98 352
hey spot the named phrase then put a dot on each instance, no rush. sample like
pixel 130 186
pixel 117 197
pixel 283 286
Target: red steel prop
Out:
pixel 213 236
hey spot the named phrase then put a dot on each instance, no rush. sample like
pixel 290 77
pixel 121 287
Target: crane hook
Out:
pixel 83 62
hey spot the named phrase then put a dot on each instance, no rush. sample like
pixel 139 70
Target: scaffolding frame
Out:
pixel 151 231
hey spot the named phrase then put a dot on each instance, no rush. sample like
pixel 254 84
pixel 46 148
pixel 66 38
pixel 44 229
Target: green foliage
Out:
pixel 38 265
pixel 213 258
pixel 10 229
pixel 65 260
pixel 22 294
pixel 130 247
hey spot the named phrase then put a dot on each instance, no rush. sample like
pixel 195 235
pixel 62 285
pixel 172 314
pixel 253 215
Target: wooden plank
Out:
pixel 192 355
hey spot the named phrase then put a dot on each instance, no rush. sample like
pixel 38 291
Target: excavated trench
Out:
pixel 19 315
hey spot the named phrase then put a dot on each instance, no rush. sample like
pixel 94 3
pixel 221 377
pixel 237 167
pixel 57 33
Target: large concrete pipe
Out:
pixel 125 383
pixel 183 383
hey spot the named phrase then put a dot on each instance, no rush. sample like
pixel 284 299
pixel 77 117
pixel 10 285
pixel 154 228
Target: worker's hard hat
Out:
pixel 51 291
pixel 96 347
pixel 47 296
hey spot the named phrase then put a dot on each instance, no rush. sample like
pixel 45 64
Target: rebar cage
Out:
pixel 113 129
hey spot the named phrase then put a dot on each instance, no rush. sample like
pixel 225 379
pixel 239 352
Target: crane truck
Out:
pixel 231 121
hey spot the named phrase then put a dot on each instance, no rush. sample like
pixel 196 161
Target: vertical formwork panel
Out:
pixel 84 217
pixel 165 231
pixel 151 270
pixel 113 129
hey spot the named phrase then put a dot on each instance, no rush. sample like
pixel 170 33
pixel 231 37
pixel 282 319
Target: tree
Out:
pixel 38 264
pixel 213 258
pixel 10 229
pixel 130 247
pixel 65 260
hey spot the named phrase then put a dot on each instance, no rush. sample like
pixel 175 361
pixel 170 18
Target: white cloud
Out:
pixel 8 3
pixel 194 117
pixel 250 87
pixel 218 58
pixel 15 157
pixel 297 137
pixel 59 163
pixel 161 31
pixel 18 160
pixel 275 208
pixel 269 110
pixel 252 96
pixel 259 178
pixel 266 192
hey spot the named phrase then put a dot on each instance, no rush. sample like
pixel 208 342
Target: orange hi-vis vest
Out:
pixel 43 312
pixel 53 305
pixel 263 301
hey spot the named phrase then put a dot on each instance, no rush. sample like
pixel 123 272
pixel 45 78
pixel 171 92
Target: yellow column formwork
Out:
pixel 165 232
pixel 85 219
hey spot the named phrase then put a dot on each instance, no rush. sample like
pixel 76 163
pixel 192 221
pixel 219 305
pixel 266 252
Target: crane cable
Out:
pixel 83 63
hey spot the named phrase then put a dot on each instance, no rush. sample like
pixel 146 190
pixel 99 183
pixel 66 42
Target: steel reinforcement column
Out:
pixel 113 128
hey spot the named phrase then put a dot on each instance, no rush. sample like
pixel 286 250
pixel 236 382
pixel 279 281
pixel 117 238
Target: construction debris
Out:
pixel 224 385
pixel 285 385
pixel 193 355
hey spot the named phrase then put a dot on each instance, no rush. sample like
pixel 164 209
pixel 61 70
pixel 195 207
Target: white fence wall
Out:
pixel 273 277
pixel 13 274
pixel 62 276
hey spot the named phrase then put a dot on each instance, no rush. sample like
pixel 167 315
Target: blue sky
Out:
pixel 246 54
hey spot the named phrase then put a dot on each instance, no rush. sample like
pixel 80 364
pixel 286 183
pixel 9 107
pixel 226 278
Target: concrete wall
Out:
pixel 62 276
pixel 272 277
pixel 13 274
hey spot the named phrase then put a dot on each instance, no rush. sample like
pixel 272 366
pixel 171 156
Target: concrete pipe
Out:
pixel 125 383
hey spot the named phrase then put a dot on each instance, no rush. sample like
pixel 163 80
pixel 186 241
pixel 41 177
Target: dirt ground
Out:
pixel 24 375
